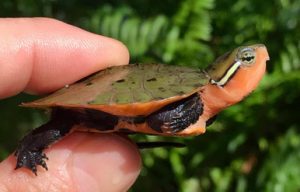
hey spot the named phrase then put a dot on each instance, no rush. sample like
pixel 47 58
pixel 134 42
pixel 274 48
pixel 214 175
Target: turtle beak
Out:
pixel 263 50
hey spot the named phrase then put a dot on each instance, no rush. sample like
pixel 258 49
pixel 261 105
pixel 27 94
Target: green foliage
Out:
pixel 290 57
pixel 254 146
pixel 139 35
pixel 284 157
pixel 158 38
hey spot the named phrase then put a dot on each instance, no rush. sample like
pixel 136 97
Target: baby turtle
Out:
pixel 145 98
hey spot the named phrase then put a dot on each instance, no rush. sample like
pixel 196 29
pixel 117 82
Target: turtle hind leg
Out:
pixel 29 152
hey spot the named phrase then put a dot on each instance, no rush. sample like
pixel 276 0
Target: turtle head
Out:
pixel 234 75
pixel 224 69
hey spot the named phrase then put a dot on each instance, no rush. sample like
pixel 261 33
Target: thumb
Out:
pixel 79 162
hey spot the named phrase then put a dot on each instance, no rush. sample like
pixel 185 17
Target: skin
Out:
pixel 40 55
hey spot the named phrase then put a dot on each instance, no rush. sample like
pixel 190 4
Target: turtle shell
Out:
pixel 135 89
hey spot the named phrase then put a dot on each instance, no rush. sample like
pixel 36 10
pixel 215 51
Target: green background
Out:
pixel 255 145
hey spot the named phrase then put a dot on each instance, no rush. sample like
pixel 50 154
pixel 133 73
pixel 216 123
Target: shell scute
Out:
pixel 127 85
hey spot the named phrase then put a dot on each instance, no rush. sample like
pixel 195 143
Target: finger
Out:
pixel 80 162
pixel 40 55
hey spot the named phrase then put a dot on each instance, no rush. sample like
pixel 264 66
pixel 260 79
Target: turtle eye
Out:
pixel 247 56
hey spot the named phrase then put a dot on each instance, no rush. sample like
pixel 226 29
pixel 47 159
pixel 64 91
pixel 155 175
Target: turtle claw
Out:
pixel 31 159
pixel 29 153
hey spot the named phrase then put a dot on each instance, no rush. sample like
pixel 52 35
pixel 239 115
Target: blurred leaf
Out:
pixel 253 146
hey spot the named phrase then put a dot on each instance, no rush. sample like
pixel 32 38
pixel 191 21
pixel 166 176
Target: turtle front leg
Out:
pixel 29 152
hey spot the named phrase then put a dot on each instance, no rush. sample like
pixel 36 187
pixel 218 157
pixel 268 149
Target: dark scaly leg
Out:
pixel 177 116
pixel 29 153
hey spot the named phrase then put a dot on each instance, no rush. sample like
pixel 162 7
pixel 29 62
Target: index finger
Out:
pixel 40 55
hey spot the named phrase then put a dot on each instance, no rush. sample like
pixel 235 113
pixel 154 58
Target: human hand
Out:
pixel 40 55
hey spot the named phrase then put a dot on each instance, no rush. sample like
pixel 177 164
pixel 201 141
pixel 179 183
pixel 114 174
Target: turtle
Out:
pixel 156 99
